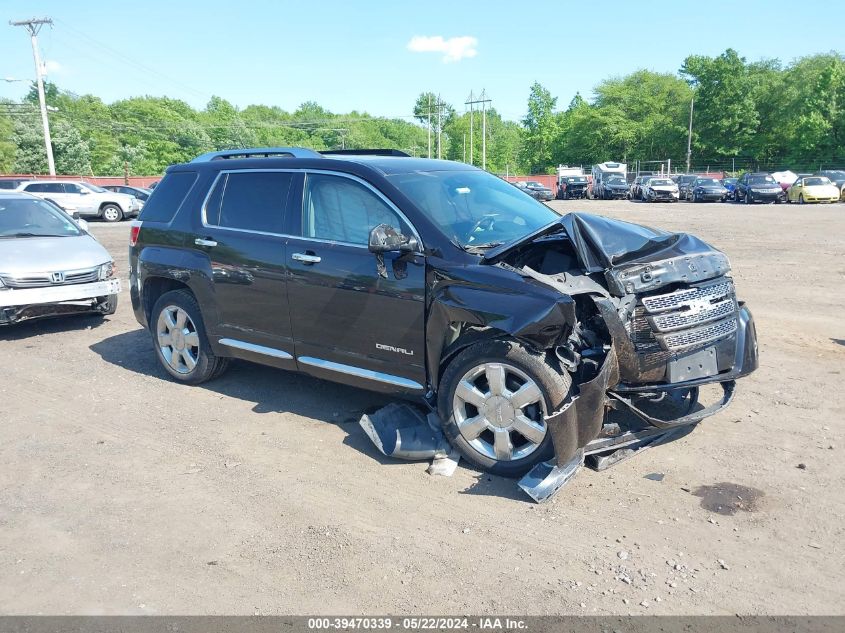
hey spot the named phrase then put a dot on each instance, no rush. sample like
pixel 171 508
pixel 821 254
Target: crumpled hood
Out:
pixel 50 254
pixel 633 257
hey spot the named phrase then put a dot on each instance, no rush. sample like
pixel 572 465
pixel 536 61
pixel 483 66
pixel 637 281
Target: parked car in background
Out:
pixel 612 188
pixel 572 187
pixel 657 189
pixel 84 198
pixel 541 191
pixel 636 189
pixel 837 177
pixel 813 189
pixel 536 190
pixel 139 192
pixel 730 185
pixel 11 183
pixel 49 265
pixel 758 188
pixel 706 190
pixel 684 182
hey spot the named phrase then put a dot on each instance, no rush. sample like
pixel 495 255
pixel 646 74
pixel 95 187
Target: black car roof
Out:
pixel 386 165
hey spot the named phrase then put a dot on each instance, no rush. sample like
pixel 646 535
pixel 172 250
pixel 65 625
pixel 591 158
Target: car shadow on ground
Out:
pixel 52 325
pixel 270 390
pixel 838 341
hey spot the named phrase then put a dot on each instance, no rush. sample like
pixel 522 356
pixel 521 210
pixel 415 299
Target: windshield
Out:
pixel 576 179
pixel 815 182
pixel 536 185
pixel 761 180
pixel 617 180
pixel 729 181
pixel 474 208
pixel 23 217
pixel 660 182
pixel 88 185
pixel 705 182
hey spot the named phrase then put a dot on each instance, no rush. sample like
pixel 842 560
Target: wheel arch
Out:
pixel 154 287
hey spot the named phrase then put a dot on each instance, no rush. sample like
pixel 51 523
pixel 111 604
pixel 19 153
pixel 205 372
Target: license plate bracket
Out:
pixel 699 364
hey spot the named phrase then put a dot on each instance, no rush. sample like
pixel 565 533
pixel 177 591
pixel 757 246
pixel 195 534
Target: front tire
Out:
pixel 111 213
pixel 180 341
pixel 800 198
pixel 493 399
pixel 107 305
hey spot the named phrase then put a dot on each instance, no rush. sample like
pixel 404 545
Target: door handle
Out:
pixel 203 242
pixel 306 258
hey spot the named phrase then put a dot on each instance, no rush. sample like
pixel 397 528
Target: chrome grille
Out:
pixel 698 336
pixel 680 298
pixel 670 321
pixel 40 280
pixel 684 319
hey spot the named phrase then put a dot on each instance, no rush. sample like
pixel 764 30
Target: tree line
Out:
pixel 763 114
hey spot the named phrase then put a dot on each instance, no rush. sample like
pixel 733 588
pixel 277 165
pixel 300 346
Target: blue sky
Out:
pixel 364 55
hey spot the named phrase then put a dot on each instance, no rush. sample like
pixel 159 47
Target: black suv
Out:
pixel 438 281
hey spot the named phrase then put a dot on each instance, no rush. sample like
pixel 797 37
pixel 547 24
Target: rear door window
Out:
pixel 250 201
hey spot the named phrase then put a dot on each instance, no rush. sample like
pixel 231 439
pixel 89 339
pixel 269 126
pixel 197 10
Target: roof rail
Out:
pixel 258 152
pixel 366 152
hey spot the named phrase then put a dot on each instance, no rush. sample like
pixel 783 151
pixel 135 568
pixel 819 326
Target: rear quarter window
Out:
pixel 168 196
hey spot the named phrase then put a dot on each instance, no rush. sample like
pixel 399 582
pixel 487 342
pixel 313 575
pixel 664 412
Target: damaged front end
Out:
pixel 659 318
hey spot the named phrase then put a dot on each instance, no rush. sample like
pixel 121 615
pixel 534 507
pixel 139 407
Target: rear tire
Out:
pixel 492 401
pixel 180 341
pixel 800 198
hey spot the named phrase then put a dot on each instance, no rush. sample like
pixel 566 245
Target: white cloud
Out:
pixel 52 67
pixel 454 49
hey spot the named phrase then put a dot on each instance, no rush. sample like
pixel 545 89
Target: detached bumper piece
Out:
pixel 405 432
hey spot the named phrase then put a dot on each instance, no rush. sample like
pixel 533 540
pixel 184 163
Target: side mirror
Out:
pixel 386 239
pixel 82 225
pixel 75 215
pixel 84 192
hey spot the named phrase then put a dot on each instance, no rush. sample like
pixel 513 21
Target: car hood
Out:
pixel 663 187
pixel 50 254
pixel 710 187
pixel 604 243
pixel 822 190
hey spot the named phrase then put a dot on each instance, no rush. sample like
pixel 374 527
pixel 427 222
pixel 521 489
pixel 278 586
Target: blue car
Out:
pixel 730 185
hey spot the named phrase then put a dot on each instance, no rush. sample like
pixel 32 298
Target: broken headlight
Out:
pixel 106 271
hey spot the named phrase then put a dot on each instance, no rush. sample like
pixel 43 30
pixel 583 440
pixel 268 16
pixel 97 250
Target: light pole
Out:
pixel 689 136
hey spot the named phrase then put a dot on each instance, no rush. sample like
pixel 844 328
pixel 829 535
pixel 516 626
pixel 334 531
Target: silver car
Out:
pixel 84 198
pixel 49 264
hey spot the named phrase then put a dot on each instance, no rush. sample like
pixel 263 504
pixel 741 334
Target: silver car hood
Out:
pixel 20 255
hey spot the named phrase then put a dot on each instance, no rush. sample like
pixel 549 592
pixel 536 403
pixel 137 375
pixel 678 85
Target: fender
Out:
pixel 532 314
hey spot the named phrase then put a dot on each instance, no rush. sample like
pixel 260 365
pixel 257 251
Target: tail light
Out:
pixel 134 231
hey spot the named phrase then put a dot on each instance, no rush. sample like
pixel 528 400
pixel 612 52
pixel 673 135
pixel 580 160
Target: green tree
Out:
pixel 541 130
pixel 726 118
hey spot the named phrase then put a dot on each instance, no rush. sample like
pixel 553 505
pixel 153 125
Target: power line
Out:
pixel 471 101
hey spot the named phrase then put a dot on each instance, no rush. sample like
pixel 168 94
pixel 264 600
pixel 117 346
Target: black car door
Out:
pixel 242 235
pixel 351 318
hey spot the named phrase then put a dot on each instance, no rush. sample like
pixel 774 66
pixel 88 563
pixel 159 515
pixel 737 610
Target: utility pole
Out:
pixel 429 125
pixel 483 132
pixel 439 123
pixel 470 102
pixel 483 101
pixel 33 26
pixel 689 136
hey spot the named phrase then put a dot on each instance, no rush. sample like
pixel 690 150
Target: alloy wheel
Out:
pixel 499 410
pixel 178 340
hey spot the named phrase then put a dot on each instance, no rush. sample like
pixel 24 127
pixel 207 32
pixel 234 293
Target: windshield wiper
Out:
pixel 28 234
pixel 470 248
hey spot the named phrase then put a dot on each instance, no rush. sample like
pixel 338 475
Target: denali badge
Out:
pixel 398 350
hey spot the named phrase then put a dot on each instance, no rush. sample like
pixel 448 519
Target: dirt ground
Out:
pixel 122 492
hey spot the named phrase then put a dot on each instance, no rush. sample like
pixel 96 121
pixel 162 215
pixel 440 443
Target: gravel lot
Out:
pixel 122 492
